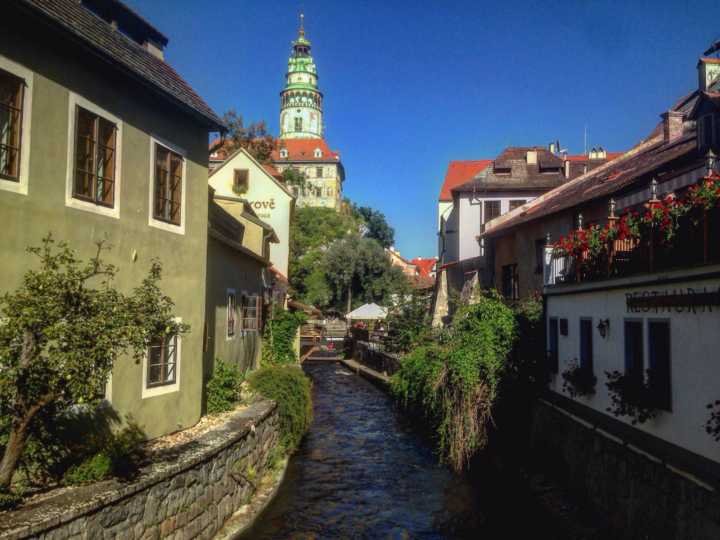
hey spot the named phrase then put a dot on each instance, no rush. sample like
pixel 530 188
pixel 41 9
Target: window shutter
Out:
pixel 659 360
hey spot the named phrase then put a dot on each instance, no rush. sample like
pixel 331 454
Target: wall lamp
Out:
pixel 604 327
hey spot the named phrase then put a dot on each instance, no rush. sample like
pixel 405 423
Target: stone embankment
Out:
pixel 189 491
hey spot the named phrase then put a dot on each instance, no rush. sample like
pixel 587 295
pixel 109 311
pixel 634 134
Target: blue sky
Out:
pixel 411 85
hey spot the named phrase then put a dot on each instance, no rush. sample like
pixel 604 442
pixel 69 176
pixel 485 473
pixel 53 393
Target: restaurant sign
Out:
pixel 684 300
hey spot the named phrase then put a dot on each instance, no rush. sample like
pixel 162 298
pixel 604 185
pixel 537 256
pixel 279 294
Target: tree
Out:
pixel 293 177
pixel 253 138
pixel 358 270
pixel 312 231
pixel 409 323
pixel 62 331
pixel 376 226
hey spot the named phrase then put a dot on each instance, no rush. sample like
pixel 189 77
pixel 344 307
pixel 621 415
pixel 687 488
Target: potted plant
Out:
pixel 712 426
pixel 632 396
pixel 578 380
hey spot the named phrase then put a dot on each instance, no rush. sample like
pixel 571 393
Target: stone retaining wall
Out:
pixel 368 354
pixel 188 492
pixel 636 494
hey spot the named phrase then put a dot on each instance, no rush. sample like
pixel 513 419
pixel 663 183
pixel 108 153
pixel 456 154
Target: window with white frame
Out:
pixel 162 362
pixel 95 158
pixel 167 185
pixel 12 91
pixel 231 313
pixel 16 89
pixel 251 312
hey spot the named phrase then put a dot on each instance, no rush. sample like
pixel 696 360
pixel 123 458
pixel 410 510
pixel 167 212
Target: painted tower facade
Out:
pixel 301 100
pixel 302 145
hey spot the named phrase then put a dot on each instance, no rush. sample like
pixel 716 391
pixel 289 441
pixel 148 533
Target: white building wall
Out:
pixel 695 356
pixel 271 203
pixel 470 218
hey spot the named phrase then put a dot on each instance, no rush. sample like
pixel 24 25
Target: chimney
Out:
pixel 566 163
pixel 552 148
pixel 532 157
pixel 708 72
pixel 154 49
pixel 672 125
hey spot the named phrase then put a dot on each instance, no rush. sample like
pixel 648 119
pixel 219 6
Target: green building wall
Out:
pixel 61 67
pixel 227 268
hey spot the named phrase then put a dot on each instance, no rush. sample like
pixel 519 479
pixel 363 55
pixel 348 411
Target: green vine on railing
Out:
pixel 631 396
pixel 578 380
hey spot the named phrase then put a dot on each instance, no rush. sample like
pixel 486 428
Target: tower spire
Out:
pixel 301 99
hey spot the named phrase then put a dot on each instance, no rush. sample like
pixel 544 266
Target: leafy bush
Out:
pixel 290 388
pixel 528 360
pixel 223 388
pixel 63 329
pixel 409 324
pixel 9 500
pixel 455 382
pixel 93 469
pixel 712 426
pixel 631 396
pixel 578 381
pixel 279 336
pixel 120 456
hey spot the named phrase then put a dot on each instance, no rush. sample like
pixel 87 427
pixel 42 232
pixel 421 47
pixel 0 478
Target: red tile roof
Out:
pixel 424 266
pixel 458 173
pixel 304 150
pixel 272 171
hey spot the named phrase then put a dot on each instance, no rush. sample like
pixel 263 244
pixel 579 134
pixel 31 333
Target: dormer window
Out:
pixel 708 131
pixel 283 153
pixel 318 153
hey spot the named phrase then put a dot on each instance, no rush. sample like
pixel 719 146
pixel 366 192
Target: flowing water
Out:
pixel 364 472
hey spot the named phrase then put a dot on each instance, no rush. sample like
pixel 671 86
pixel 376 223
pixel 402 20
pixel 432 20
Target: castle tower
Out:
pixel 301 100
pixel 302 146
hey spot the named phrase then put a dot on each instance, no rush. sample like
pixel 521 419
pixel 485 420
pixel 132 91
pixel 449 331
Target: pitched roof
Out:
pixel 276 178
pixel 459 172
pixel 304 150
pixel 119 50
pixel 648 157
pixel 510 171
pixel 424 266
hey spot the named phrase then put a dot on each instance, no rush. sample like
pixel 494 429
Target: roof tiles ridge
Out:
pixel 498 222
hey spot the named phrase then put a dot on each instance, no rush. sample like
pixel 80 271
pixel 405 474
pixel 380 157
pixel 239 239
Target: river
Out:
pixel 363 471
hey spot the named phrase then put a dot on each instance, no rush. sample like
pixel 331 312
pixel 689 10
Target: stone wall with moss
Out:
pixel 188 491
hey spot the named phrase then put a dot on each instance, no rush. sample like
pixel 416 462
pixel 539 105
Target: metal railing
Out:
pixel 696 242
